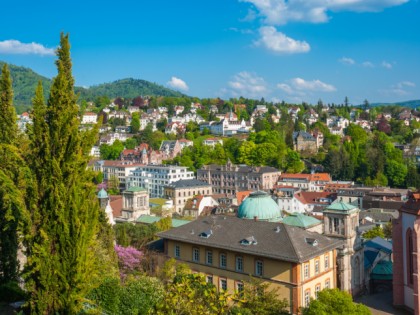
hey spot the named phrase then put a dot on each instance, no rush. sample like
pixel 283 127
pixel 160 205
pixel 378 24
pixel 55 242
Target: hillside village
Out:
pixel 228 215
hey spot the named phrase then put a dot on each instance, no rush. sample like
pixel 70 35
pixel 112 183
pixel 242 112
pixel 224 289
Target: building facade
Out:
pixel 231 178
pixel 228 250
pixel 406 246
pixel 184 189
pixel 341 221
pixel 155 177
pixel 135 203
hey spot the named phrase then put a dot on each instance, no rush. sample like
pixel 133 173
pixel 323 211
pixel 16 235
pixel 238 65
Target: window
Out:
pixel 196 255
pixel 223 284
pixel 259 268
pixel 410 261
pixel 306 271
pixel 239 287
pixel 327 284
pixel 177 251
pixel 223 260
pixel 209 257
pixel 239 264
pixel 316 266
pixel 326 262
pixel 317 289
pixel 307 297
pixel 209 279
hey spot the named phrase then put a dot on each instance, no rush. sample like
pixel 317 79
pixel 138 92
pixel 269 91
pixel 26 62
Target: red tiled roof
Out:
pixel 116 203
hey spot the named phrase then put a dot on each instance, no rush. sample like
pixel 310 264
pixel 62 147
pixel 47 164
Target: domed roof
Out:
pixel 259 205
pixel 102 194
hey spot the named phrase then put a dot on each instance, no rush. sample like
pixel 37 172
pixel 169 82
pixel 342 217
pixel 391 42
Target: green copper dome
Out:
pixel 261 206
pixel 102 194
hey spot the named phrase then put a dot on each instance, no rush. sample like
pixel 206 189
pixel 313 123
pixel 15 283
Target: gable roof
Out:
pixel 273 240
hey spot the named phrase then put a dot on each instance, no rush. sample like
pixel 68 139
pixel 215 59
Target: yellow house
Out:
pixel 228 250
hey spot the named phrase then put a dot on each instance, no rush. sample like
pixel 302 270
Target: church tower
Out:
pixel 341 220
pixel 103 198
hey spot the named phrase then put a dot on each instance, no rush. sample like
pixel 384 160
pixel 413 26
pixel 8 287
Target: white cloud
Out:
pixel 279 12
pixel 386 65
pixel 279 42
pixel 13 46
pixel 178 84
pixel 300 87
pixel 368 64
pixel 405 84
pixel 314 85
pixel 347 61
pixel 247 84
pixel 241 30
pixel 401 88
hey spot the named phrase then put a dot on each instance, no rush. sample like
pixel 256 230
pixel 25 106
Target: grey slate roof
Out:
pixel 274 240
pixel 304 134
pixel 188 183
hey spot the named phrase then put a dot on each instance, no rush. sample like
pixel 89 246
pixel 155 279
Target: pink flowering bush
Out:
pixel 129 260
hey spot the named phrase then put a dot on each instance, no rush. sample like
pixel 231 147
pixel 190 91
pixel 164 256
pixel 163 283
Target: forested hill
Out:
pixel 25 81
pixel 127 88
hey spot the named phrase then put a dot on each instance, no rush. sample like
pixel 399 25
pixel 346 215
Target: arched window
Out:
pixel 409 253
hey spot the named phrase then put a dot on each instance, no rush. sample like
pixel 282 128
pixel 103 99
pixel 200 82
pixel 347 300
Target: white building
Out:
pixel 155 177
pixel 89 118
pixel 118 169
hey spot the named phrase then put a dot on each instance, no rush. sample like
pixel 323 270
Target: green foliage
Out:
pixel 8 130
pixel 15 179
pixel 135 122
pixel 138 295
pixel 127 88
pixel 128 234
pixel 294 164
pixel 11 292
pixel 335 302
pixel 376 231
pixel 191 294
pixel 164 224
pixel 257 298
pixel 111 152
pixel 62 244
pixel 25 82
pixel 130 143
pixel 388 230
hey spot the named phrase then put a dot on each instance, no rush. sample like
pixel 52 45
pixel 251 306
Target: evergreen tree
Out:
pixel 61 256
pixel 8 130
pixel 13 179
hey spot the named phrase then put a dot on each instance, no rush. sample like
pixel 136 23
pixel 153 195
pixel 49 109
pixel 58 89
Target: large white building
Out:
pixel 155 177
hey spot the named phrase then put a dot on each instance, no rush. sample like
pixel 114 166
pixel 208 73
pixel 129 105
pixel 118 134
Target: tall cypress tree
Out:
pixel 8 130
pixel 11 182
pixel 61 262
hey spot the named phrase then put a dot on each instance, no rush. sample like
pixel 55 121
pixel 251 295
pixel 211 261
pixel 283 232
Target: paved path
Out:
pixel 381 304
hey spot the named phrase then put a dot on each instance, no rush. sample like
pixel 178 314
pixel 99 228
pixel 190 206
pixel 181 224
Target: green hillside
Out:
pixel 127 88
pixel 25 81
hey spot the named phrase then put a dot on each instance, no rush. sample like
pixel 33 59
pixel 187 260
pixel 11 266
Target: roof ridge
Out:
pixel 291 241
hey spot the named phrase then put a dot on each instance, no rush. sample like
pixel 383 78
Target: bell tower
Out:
pixel 341 220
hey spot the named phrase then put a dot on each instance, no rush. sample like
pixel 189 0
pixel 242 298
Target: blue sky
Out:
pixel 295 50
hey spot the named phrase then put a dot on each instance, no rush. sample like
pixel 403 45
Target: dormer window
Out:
pixel 249 241
pixel 206 234
pixel 311 241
